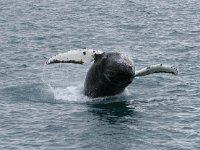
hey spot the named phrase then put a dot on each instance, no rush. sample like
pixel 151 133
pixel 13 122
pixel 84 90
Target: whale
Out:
pixel 110 73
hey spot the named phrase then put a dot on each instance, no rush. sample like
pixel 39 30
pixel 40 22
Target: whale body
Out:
pixel 110 73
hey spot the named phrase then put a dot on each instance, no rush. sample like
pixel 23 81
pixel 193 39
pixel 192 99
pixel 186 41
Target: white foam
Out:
pixel 71 93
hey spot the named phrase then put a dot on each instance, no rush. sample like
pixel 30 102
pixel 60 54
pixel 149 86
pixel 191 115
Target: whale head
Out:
pixel 117 68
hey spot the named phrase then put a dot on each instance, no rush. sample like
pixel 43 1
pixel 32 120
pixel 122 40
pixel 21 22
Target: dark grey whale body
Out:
pixel 109 75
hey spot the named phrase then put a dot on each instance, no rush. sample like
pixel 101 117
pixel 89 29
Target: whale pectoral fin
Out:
pixel 159 68
pixel 76 56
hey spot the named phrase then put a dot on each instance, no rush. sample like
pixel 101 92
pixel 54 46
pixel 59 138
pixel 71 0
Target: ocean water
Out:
pixel 42 107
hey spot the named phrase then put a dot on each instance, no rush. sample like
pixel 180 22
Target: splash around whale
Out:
pixel 110 73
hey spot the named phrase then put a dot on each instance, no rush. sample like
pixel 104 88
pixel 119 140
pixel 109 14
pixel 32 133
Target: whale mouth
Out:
pixel 123 78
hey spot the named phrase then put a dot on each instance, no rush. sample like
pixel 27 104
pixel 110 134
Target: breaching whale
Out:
pixel 110 73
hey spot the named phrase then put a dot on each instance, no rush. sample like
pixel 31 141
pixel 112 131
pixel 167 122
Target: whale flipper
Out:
pixel 75 56
pixel 159 68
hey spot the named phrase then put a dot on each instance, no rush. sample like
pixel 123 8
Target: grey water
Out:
pixel 42 107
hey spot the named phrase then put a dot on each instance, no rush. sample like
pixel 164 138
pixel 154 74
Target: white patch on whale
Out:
pixel 75 56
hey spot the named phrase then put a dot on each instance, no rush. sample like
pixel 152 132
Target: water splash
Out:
pixel 64 82
pixel 69 94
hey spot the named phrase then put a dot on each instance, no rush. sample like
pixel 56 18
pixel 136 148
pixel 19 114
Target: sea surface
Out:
pixel 43 107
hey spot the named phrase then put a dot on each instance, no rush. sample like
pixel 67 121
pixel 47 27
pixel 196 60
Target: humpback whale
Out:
pixel 110 73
